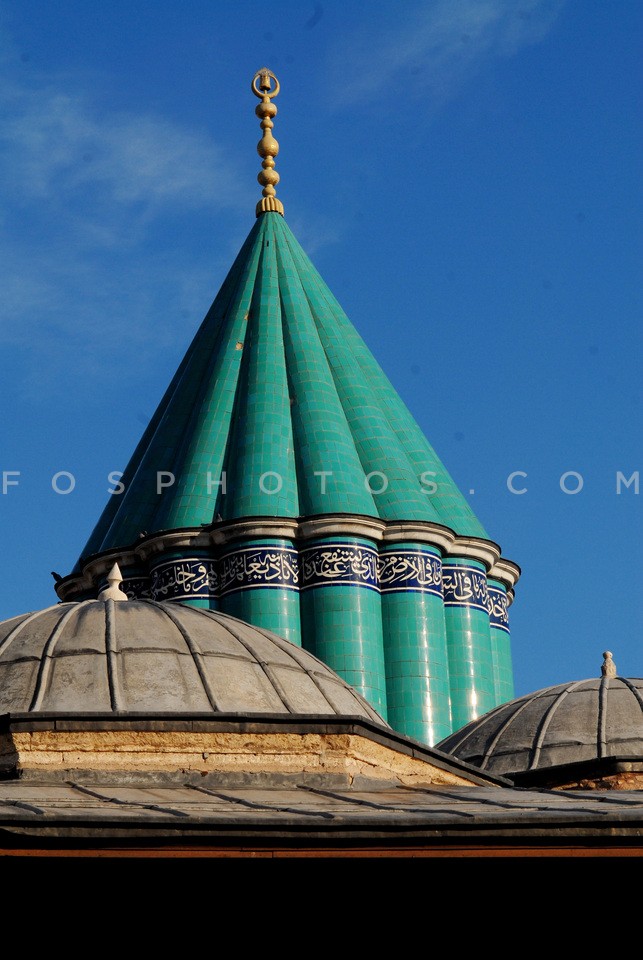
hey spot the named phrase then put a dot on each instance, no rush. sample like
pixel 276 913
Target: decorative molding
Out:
pixel 172 540
pixel 98 568
pixel 476 548
pixel 432 534
pixel 506 571
pixel 297 531
pixel 255 528
pixel 341 525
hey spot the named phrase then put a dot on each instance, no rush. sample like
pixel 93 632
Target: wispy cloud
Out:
pixel 59 146
pixel 439 44
pixel 91 204
pixel 66 314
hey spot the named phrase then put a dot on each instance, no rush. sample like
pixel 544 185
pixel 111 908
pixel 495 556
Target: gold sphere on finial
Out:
pixel 267 148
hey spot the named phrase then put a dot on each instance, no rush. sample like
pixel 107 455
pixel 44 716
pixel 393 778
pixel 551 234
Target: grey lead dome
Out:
pixel 147 656
pixel 576 722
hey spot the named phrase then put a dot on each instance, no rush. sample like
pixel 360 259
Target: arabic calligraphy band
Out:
pixel 333 564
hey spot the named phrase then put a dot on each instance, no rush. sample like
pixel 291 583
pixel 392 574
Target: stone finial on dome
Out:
pixel 268 148
pixel 113 589
pixel 608 668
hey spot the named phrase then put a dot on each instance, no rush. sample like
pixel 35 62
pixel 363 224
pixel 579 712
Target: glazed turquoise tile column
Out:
pixel 200 449
pixel 350 357
pixel 415 645
pixel 341 613
pixel 468 639
pixel 390 477
pixel 329 471
pixel 261 471
pixel 259 583
pixel 500 641
pixel 202 389
pixel 191 579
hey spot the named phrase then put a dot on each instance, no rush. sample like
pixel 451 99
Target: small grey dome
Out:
pixel 570 723
pixel 145 656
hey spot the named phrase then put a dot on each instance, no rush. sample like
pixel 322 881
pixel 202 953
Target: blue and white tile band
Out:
pixel 498 609
pixel 465 586
pixel 336 564
pixel 402 570
pixel 186 579
pixel 259 567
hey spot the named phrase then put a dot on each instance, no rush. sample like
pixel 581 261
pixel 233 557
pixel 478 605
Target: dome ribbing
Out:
pixel 141 656
pixel 570 723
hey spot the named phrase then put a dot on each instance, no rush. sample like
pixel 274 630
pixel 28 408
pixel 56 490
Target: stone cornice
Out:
pixel 298 530
pixel 506 571
pixel 169 540
pixel 341 525
pixel 486 551
pixel 283 528
pixel 94 570
pixel 433 534
pixel 140 744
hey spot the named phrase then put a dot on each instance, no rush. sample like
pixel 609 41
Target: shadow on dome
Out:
pixel 584 735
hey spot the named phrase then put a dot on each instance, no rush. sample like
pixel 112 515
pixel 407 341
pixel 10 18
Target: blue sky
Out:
pixel 466 177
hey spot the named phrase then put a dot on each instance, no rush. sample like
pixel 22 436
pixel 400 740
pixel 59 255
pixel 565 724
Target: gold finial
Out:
pixel 268 148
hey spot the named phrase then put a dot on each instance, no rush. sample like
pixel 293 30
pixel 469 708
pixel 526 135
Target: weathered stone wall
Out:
pixel 210 752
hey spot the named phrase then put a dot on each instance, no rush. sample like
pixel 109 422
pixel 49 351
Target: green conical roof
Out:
pixel 283 481
pixel 279 409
